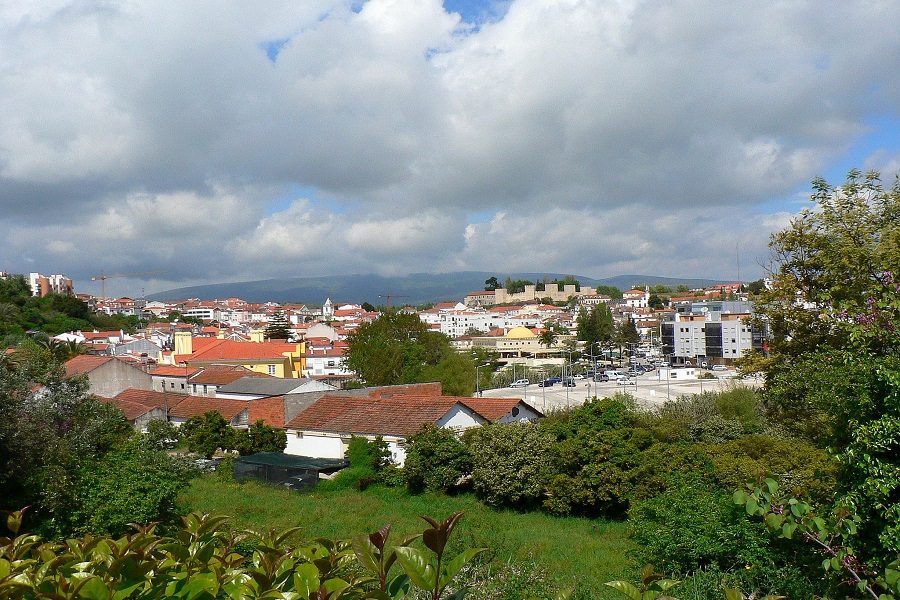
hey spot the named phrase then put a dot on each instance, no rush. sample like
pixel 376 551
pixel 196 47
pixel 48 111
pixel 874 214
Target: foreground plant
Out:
pixel 203 561
pixel 433 573
pixel 831 533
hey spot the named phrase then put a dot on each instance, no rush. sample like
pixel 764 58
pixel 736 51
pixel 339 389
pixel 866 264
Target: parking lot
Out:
pixel 648 391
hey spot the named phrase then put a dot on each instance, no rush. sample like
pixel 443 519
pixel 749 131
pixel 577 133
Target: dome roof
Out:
pixel 519 333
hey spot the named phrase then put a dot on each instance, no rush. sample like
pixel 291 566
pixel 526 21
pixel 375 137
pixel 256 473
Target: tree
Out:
pixel 548 335
pixel 510 463
pixel 398 348
pixel 206 434
pixel 596 326
pixel 627 333
pixel 832 372
pixel 655 302
pixel 436 460
pixel 278 327
pixel 368 307
pixel 491 284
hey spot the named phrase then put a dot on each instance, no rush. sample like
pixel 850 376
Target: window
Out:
pixel 204 389
pixel 271 369
pixel 172 385
pixel 515 411
pixel 182 386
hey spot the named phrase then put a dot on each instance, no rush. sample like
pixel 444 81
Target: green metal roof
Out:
pixel 280 459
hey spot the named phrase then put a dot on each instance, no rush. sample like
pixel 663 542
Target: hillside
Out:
pixel 415 288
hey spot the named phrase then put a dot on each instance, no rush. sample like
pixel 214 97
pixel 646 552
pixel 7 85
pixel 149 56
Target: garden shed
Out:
pixel 295 472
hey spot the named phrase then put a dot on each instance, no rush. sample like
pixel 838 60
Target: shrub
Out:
pixel 207 434
pixel 800 468
pixel 162 435
pixel 436 460
pixel 690 526
pixel 510 464
pixel 131 484
pixel 715 429
pixel 660 463
pixel 592 471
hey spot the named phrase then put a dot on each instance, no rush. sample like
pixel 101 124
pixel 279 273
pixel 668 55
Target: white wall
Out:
pixel 525 414
pixel 459 417
pixel 314 444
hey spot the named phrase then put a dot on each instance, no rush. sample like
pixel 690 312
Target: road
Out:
pixel 648 392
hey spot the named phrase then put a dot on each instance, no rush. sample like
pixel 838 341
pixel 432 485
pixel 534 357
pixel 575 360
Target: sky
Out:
pixel 187 143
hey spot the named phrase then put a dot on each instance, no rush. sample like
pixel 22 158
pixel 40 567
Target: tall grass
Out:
pixel 573 551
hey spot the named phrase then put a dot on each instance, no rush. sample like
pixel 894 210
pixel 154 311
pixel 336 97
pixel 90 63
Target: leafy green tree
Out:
pixel 207 433
pixel 510 464
pixel 491 284
pixel 548 336
pixel 398 348
pixel 259 437
pixel 162 435
pixel 832 372
pixel 131 484
pixel 436 460
pixel 278 327
pixel 368 307
pixel 596 326
pixel 609 290
pixel 655 302
pixel 627 333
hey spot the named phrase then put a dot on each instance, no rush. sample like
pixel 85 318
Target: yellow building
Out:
pixel 278 359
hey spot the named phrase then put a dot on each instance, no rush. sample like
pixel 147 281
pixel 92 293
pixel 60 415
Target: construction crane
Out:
pixel 102 277
pixel 390 297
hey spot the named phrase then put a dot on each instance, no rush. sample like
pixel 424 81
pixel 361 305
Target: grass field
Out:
pixel 572 551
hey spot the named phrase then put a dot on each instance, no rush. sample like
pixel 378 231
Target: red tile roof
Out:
pixel 230 350
pixel 400 416
pixel 132 410
pixel 85 363
pixel 194 406
pixel 150 398
pixel 222 374
pixel 494 409
pixel 269 410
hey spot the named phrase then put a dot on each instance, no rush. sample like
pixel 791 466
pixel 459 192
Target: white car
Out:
pixel 519 383
pixel 626 381
pixel 719 368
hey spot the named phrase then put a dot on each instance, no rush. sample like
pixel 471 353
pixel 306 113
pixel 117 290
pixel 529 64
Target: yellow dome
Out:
pixel 519 333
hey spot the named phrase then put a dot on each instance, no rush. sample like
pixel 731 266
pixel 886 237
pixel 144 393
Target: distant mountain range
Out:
pixel 415 288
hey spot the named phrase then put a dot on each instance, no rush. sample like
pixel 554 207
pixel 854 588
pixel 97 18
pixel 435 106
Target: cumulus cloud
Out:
pixel 604 136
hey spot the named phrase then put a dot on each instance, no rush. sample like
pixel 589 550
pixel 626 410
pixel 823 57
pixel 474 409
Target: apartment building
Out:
pixel 715 332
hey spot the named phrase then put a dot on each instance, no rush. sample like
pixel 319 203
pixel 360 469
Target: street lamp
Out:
pixel 478 380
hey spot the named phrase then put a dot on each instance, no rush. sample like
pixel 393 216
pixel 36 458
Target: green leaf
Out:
pixel 415 564
pixel 628 589
pixel 733 594
pixel 752 506
pixel 93 589
pixel 740 497
pixel 787 531
pixel 365 553
pixel 306 579
pixel 398 587
pixel 772 485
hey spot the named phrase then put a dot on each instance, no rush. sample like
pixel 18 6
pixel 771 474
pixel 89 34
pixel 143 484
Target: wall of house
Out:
pixel 524 414
pixel 460 417
pixel 315 444
pixel 176 385
pixel 155 413
pixel 115 376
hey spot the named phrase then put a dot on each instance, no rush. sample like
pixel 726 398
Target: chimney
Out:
pixel 184 343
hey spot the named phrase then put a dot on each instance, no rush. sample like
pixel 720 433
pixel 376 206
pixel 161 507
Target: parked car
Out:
pixel 568 382
pixel 519 383
pixel 546 383
pixel 614 375
pixel 626 381
pixel 601 377
pixel 719 368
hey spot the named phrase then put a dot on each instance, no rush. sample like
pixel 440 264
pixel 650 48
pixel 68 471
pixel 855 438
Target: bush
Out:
pixel 592 471
pixel 131 484
pixel 436 460
pixel 510 464
pixel 207 434
pixel 690 526
pixel 162 435
pixel 661 463
pixel 800 468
